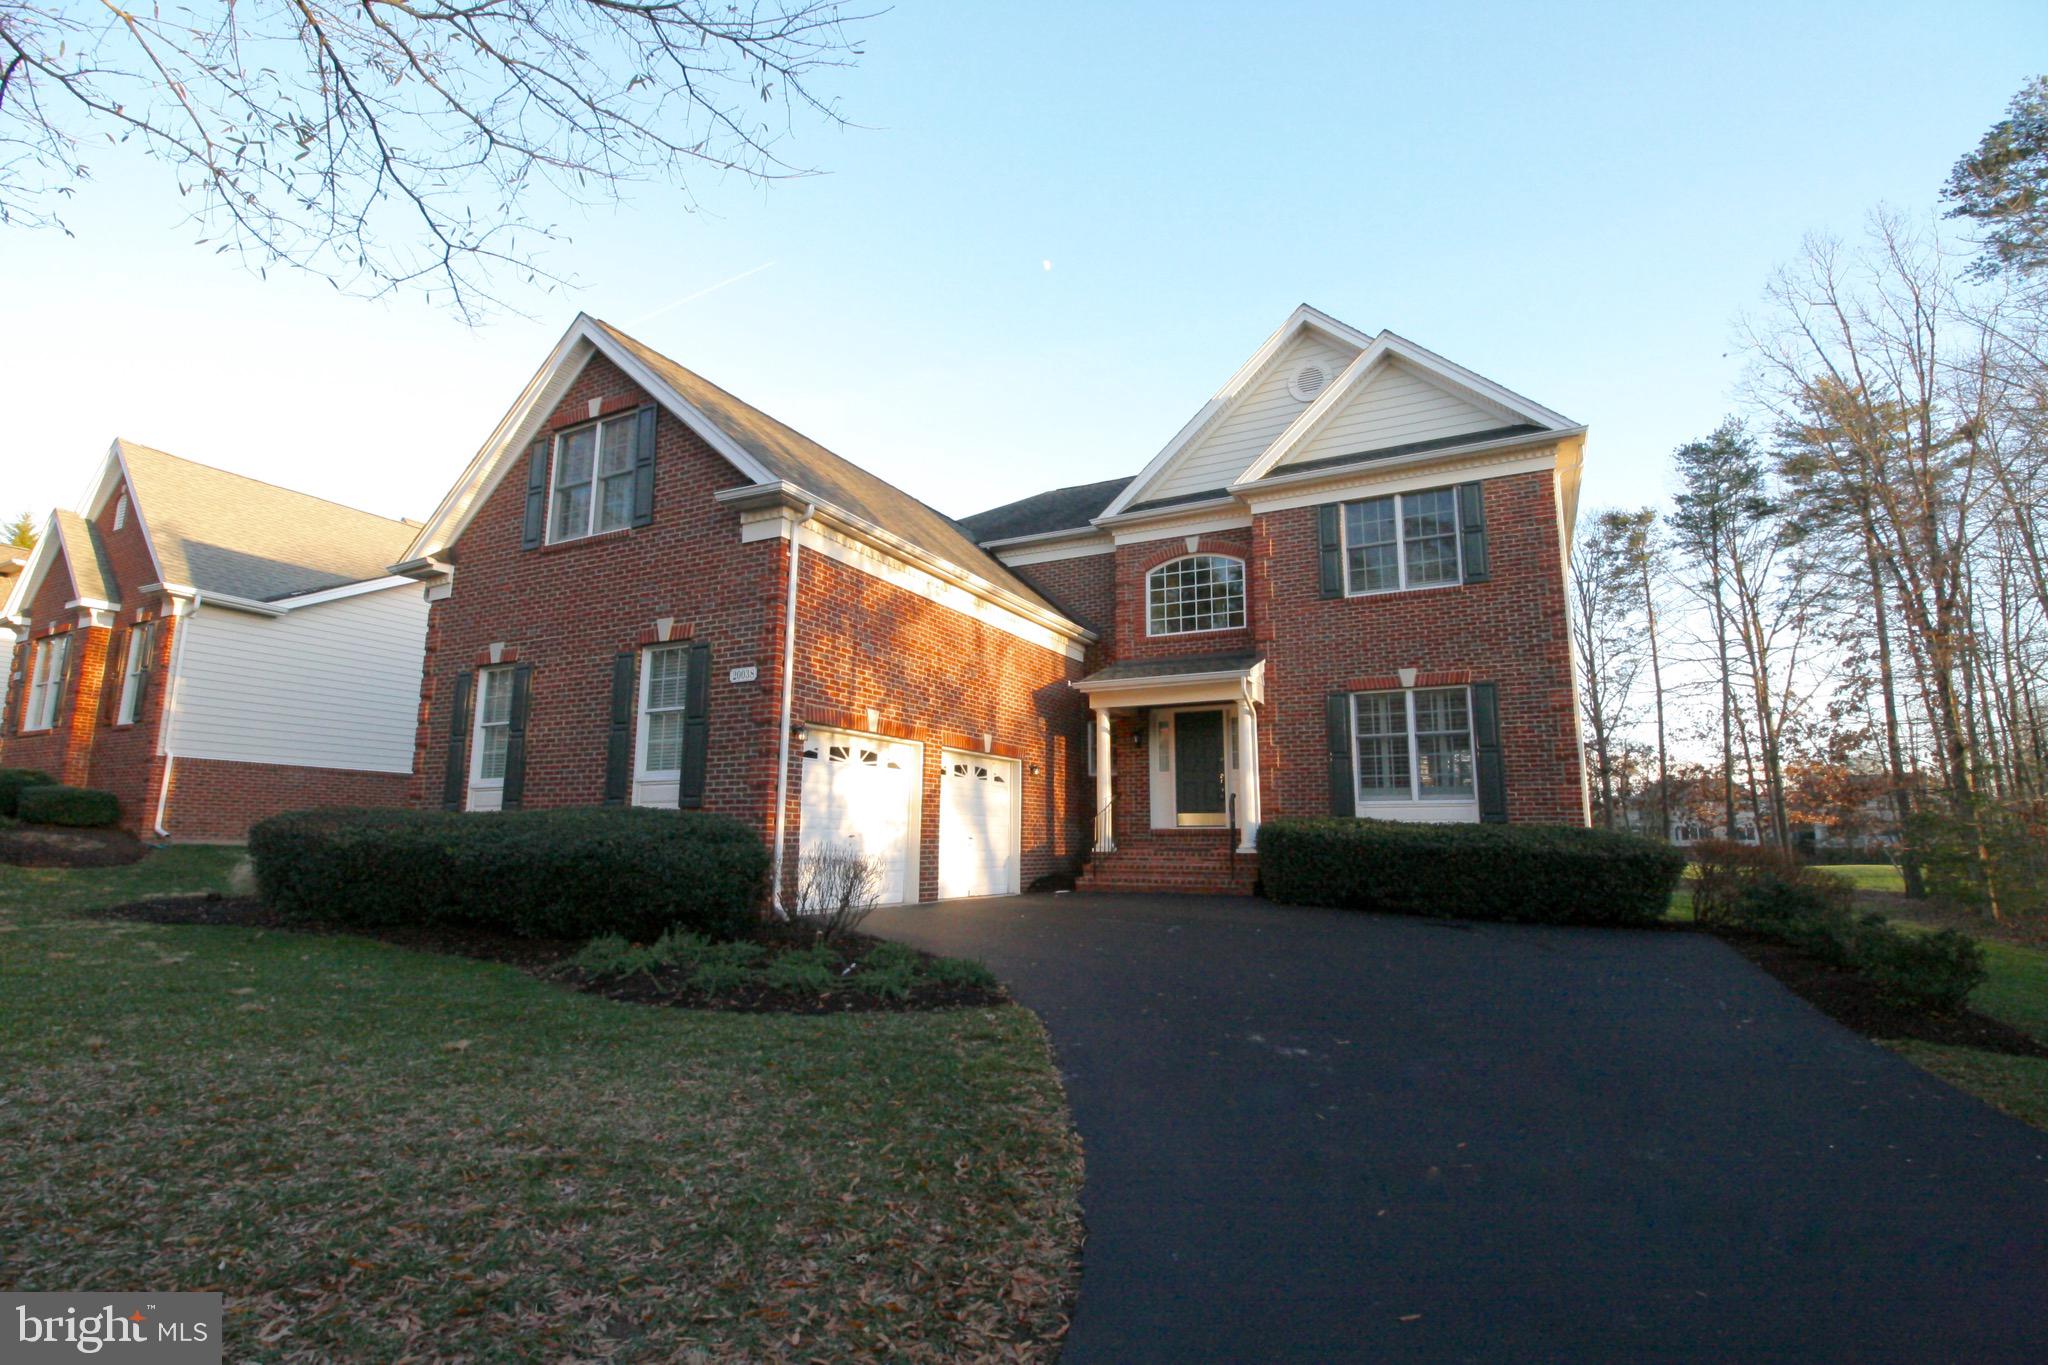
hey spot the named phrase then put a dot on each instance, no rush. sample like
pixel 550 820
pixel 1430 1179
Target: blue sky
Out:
pixel 1574 201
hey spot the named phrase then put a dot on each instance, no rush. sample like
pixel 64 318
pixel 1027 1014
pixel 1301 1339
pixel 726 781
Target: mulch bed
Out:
pixel 62 846
pixel 1849 999
pixel 548 959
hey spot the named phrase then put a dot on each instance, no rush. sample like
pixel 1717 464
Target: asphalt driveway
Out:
pixel 1326 1136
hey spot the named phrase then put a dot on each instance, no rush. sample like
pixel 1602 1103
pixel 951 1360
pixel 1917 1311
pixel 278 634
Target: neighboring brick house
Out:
pixel 213 649
pixel 1350 563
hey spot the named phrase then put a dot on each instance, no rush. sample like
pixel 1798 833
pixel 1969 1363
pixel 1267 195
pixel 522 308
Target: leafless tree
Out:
pixel 403 145
pixel 836 889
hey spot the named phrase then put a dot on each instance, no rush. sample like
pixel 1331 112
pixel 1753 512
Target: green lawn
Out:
pixel 1868 876
pixel 380 1154
pixel 2015 990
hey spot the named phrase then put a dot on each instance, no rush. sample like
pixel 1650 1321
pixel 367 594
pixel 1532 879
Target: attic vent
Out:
pixel 1308 381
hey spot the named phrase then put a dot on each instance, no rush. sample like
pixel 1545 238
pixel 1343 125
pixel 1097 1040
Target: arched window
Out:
pixel 1195 593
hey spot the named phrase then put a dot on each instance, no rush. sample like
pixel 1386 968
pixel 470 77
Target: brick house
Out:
pixel 1338 589
pixel 1349 565
pixel 213 649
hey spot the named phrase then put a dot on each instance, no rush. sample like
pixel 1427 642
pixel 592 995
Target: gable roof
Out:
pixel 1062 509
pixel 230 534
pixel 92 573
pixel 760 447
pixel 1226 400
pixel 1517 415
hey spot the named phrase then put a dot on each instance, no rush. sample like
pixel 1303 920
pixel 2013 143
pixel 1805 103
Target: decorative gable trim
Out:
pixel 48 549
pixel 1226 398
pixel 1385 348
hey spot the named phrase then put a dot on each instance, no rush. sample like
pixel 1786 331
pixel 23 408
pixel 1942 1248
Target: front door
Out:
pixel 1198 767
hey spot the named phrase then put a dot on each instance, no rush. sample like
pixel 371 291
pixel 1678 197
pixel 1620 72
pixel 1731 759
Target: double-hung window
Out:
pixel 1413 745
pixel 140 639
pixel 493 724
pixel 46 683
pixel 1195 593
pixel 664 695
pixel 593 480
pixel 1404 540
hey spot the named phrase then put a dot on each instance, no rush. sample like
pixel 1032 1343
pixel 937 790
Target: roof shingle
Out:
pixel 796 458
pixel 1061 509
pixel 227 533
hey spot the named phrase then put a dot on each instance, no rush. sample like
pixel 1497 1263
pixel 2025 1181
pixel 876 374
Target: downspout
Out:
pixel 788 704
pixel 163 794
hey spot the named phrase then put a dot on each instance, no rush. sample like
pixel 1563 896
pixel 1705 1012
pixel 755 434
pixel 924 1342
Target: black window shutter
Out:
pixel 696 727
pixel 1492 773
pixel 1343 796
pixel 515 737
pixel 643 466
pixel 457 777
pixel 17 682
pixel 618 750
pixel 1472 527
pixel 1330 533
pixel 536 495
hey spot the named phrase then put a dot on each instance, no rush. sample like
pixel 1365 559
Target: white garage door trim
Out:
pixel 845 793
pixel 976 791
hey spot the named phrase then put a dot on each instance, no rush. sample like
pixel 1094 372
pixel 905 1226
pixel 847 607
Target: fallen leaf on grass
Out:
pixel 459 1045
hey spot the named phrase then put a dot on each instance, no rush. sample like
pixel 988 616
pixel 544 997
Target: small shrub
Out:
pixel 1543 873
pixel 726 967
pixel 609 955
pixel 1809 912
pixel 80 807
pixel 13 781
pixel 893 980
pixel 1933 971
pixel 959 971
pixel 836 889
pixel 811 970
pixel 577 873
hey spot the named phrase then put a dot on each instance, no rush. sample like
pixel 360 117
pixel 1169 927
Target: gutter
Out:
pixel 788 704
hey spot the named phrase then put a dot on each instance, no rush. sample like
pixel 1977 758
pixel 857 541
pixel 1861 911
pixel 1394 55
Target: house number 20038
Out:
pixel 745 673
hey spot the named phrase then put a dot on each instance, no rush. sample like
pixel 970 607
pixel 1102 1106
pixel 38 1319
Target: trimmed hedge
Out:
pixel 82 807
pixel 1814 913
pixel 13 781
pixel 1550 874
pixel 575 873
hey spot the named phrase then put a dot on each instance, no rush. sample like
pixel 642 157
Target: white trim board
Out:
pixel 836 545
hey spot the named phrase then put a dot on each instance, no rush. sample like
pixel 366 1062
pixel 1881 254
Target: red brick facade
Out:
pixel 863 643
pixel 1509 630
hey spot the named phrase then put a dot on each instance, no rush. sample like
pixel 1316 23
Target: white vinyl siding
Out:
pixel 330 686
pixel 1394 406
pixel 46 682
pixel 1263 411
pixel 1412 754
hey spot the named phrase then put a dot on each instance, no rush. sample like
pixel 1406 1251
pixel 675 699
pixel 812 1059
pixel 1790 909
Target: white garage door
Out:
pixel 977 825
pixel 860 792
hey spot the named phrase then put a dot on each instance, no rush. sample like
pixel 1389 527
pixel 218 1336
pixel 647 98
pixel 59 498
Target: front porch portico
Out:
pixel 1197 720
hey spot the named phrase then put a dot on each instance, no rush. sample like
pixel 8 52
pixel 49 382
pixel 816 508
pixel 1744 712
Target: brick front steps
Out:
pixel 1193 861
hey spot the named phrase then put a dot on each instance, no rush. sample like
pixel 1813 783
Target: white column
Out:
pixel 1105 812
pixel 1247 777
